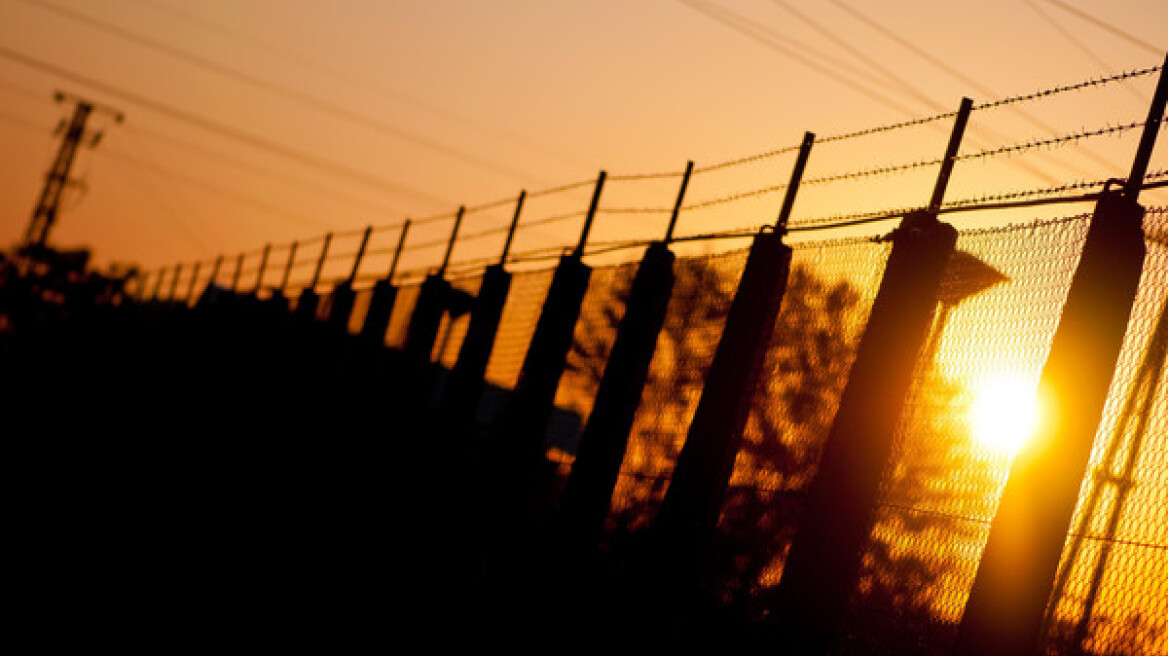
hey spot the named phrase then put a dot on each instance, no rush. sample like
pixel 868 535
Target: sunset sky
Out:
pixel 257 121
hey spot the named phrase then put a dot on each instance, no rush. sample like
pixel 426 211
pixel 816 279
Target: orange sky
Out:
pixel 412 107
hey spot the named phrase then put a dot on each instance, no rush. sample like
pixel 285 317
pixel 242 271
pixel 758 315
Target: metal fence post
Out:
pixel 689 512
pixel 384 295
pixel 172 297
pixel 1007 603
pixel 432 300
pixel 464 389
pixel 157 285
pixel 309 300
pixel 824 560
pixel 259 283
pixel 588 491
pixel 343 296
pixel 516 458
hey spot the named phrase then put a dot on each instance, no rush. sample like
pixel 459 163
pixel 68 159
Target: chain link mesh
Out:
pixel 1000 303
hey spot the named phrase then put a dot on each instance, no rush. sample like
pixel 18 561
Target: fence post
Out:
pixel 588 491
pixel 689 512
pixel 157 285
pixel 211 293
pixel 194 282
pixel 279 299
pixel 1007 602
pixel 238 273
pixel 343 295
pixel 384 295
pixel 259 283
pixel 309 299
pixel 823 563
pixel 215 268
pixel 432 300
pixel 465 387
pixel 174 284
pixel 139 286
pixel 516 459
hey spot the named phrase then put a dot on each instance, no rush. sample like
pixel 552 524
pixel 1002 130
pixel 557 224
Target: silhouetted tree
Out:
pixel 805 371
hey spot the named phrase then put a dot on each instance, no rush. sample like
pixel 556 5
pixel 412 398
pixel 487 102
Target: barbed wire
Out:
pixel 555 219
pixel 1051 194
pixel 1045 93
pixel 745 160
pixel 562 188
pixel 984 154
pixel 1155 179
pixel 838 177
pixel 848 220
pixel 630 177
pixel 887 128
pixel 1023 194
pixel 722 200
pixel 1052 141
pixel 634 210
pixel 502 202
pixel 874 171
pixel 891 127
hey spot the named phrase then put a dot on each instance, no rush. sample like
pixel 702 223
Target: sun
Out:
pixel 1005 412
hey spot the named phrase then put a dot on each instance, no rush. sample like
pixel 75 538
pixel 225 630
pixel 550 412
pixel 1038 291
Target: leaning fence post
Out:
pixel 1007 602
pixel 461 397
pixel 238 272
pixel 824 560
pixel 384 295
pixel 693 501
pixel 343 294
pixel 194 281
pixel 422 331
pixel 157 285
pixel 215 268
pixel 309 299
pixel 174 283
pixel 139 283
pixel 588 491
pixel 279 299
pixel 259 283
pixel 211 293
pixel 516 457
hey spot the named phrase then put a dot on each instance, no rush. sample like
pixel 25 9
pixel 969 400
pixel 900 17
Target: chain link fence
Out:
pixel 999 306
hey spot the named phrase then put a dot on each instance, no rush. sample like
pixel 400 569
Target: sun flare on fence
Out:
pixel 1005 412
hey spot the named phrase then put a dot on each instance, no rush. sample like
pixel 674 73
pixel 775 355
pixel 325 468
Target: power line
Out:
pixel 286 92
pixel 215 189
pixel 915 49
pixel 1077 43
pixel 953 72
pixel 335 168
pixel 730 22
pixel 247 165
pixel 1106 27
pixel 154 193
pixel 866 58
pixel 151 188
pixel 735 22
pixel 363 83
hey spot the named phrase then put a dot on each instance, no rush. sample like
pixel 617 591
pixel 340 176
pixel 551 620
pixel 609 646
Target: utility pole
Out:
pixel 45 214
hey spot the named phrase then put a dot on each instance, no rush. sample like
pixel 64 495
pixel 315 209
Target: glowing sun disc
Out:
pixel 1005 413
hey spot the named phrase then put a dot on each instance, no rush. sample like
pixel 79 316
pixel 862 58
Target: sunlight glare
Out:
pixel 1005 413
